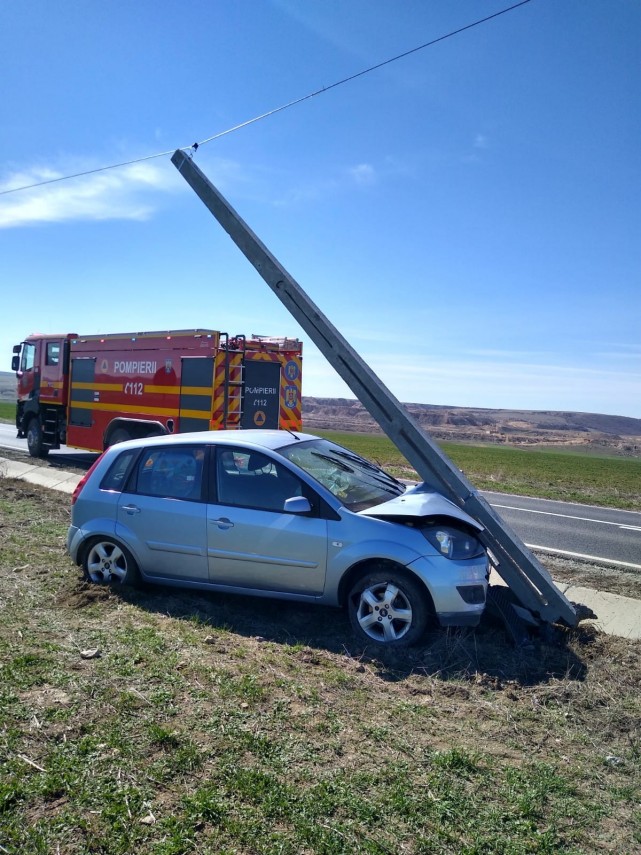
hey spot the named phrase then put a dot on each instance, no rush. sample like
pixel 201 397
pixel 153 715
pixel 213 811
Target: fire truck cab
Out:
pixel 93 391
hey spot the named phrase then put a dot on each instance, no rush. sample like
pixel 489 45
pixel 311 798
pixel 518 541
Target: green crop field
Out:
pixel 7 412
pixel 568 476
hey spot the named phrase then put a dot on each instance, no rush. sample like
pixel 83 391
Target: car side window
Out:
pixel 171 473
pixel 250 479
pixel 116 477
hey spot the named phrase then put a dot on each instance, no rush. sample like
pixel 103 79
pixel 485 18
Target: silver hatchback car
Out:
pixel 278 514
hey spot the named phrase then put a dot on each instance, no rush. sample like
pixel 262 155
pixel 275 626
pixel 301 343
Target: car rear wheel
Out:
pixel 389 609
pixel 107 562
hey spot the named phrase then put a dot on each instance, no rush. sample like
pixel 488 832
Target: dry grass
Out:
pixel 157 721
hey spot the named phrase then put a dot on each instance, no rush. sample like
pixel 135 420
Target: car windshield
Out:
pixel 356 482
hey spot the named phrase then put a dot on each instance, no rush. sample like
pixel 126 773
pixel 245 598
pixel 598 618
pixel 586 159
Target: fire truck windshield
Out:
pixel 28 357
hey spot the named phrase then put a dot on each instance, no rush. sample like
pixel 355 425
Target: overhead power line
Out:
pixel 323 90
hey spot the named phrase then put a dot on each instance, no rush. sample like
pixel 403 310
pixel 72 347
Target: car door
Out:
pixel 252 541
pixel 163 515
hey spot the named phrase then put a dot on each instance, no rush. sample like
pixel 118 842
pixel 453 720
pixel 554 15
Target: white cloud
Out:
pixel 323 187
pixel 619 351
pixel 480 143
pixel 124 193
pixel 364 173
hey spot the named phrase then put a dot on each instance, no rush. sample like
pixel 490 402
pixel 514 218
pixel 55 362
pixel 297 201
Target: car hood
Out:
pixel 420 501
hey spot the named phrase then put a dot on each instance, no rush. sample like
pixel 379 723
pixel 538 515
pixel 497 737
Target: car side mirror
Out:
pixel 297 505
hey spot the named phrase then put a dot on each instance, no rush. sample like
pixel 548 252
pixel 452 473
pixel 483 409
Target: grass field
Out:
pixel 159 722
pixel 7 412
pixel 568 476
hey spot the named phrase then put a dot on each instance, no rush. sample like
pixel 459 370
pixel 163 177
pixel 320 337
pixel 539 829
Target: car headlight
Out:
pixel 452 542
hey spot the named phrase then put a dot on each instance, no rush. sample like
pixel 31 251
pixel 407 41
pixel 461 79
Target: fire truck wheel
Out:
pixel 107 562
pixel 388 608
pixel 34 439
pixel 119 435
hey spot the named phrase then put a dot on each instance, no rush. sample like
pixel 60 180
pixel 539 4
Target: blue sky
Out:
pixel 469 216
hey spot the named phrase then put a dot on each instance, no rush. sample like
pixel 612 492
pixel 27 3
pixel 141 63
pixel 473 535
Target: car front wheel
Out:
pixel 389 609
pixel 107 562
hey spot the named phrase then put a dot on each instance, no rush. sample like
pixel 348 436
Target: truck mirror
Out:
pixel 17 348
pixel 15 364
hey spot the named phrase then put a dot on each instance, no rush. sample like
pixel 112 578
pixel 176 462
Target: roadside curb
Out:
pixel 616 615
pixel 53 479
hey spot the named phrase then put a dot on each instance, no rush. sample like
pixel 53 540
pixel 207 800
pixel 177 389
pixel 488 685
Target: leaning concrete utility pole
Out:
pixel 528 579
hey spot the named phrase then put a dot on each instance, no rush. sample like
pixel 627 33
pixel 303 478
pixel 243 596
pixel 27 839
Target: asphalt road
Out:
pixel 63 455
pixel 603 535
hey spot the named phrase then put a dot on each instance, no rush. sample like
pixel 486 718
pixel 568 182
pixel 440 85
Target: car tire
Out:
pixel 107 562
pixel 389 609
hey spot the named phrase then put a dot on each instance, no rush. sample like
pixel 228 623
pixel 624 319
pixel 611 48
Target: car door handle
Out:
pixel 131 509
pixel 222 523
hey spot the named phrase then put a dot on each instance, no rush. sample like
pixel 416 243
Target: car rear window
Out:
pixel 118 472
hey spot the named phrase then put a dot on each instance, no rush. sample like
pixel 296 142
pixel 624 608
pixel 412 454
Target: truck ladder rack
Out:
pixel 233 389
pixel 529 580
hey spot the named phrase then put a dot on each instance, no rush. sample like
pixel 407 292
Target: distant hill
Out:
pixel 619 434
pixel 7 386
pixel 470 424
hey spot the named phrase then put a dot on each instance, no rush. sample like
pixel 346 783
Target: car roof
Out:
pixel 269 439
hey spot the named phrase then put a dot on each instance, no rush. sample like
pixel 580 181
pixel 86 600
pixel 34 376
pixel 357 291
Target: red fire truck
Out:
pixel 93 391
